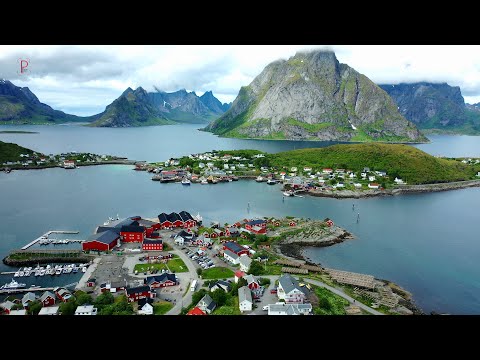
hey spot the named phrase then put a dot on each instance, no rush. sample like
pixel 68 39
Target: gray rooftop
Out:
pixel 244 293
pixel 30 296
pixel 231 254
pixel 245 260
pixel 289 283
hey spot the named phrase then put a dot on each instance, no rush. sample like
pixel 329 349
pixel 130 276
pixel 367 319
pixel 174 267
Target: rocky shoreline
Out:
pixel 399 190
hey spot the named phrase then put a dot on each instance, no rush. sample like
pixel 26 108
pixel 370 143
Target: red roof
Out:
pixel 239 274
pixel 196 311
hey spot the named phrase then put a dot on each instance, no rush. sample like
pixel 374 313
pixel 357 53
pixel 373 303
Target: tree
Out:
pixel 105 298
pixel 83 299
pixel 68 308
pixel 242 282
pixel 17 307
pixel 325 303
pixel 197 296
pixel 34 307
pixel 256 268
pixel 219 297
pixel 199 271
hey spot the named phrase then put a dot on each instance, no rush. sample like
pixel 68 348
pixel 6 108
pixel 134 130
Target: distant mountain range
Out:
pixel 311 96
pixel 435 107
pixel 20 106
pixel 133 108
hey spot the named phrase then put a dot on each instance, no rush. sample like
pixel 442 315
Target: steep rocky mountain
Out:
pixel 311 96
pixel 132 108
pixel 183 106
pixel 20 106
pixel 439 107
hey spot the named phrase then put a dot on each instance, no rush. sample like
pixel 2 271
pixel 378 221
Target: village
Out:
pixel 222 166
pixel 174 264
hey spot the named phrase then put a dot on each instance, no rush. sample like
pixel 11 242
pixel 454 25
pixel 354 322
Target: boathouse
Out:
pixel 256 223
pixel 132 233
pixel 152 245
pixel 187 219
pixel 164 221
pixel 103 241
pixel 47 299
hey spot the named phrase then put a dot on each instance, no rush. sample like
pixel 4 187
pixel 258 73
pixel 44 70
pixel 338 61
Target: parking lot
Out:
pixel 266 299
pixel 109 269
pixel 204 261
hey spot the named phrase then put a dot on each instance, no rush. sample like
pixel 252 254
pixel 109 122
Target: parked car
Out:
pixel 273 291
pixel 265 308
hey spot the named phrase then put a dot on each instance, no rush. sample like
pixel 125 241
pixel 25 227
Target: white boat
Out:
pixel 288 193
pixel 69 269
pixel 204 181
pixel 58 271
pixel 42 272
pixel 21 273
pixel 271 182
pixel 17 274
pixel 84 269
pixel 27 273
pixel 75 269
pixel 259 179
pixel 186 182
pixel 12 285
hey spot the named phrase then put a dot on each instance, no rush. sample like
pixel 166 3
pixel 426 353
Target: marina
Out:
pixel 33 289
pixel 44 237
pixel 48 270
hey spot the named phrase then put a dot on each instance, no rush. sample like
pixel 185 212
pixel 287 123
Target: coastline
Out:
pixel 40 167
pixel 399 190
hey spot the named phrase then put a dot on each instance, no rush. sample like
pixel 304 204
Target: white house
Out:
pixel 398 180
pixel 206 304
pixel 179 240
pixel 18 312
pixel 289 309
pixel 307 169
pixel 363 175
pixel 352 175
pixel 357 185
pixel 244 262
pixel 231 256
pixel 221 284
pixel 290 291
pixel 86 310
pixel 293 169
pixel 478 174
pixel 373 186
pixel 245 302
pixel 145 306
pixel 340 185
pixel 225 166
pixel 201 165
pixel 50 310
pixel 371 178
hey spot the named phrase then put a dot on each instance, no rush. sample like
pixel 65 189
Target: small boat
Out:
pixel 17 274
pixel 234 178
pixel 84 269
pixel 186 182
pixel 288 193
pixel 260 179
pixel 58 271
pixel 42 272
pixel 34 286
pixel 271 182
pixel 21 273
pixel 75 270
pixel 204 181
pixel 27 273
pixel 12 285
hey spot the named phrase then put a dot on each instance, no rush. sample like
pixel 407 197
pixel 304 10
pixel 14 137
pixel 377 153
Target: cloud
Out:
pixel 84 79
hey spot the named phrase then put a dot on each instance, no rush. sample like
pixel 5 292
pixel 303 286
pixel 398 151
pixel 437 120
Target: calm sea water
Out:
pixel 427 243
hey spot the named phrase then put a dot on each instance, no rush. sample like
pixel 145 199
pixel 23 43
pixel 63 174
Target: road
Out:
pixel 185 280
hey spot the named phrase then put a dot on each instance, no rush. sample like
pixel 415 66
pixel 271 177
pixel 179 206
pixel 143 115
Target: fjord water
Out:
pixel 427 243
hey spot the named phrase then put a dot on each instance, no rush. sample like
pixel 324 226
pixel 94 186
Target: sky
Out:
pixel 84 79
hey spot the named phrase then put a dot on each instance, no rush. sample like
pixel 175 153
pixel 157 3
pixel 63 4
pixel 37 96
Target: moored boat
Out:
pixel 259 179
pixel 12 285
pixel 271 182
pixel 185 181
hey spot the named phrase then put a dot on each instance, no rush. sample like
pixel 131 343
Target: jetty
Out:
pixel 46 235
pixel 32 289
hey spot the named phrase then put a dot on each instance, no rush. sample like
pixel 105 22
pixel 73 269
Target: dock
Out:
pixel 46 235
pixel 18 291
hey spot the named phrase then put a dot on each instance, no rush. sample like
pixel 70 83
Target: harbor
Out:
pixel 44 239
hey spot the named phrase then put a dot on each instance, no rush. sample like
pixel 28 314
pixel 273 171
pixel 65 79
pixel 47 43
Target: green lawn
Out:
pixel 230 308
pixel 144 267
pixel 177 265
pixel 330 303
pixel 217 273
pixel 161 307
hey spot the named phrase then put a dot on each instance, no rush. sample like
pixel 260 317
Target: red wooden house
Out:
pixel 164 221
pixel 139 292
pixel 188 220
pixel 152 245
pixel 292 223
pixel 47 299
pixel 252 282
pixel 151 227
pixel 232 231
pixel 158 256
pixel 196 311
pixel 258 229
pixel 91 282
pixel 163 280
pixel 132 233
pixel 213 235
pixel 175 219
pixel 103 241
pixel 255 223
pixel 235 248
pixel 62 293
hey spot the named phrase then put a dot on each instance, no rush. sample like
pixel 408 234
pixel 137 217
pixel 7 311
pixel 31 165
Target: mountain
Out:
pixel 311 96
pixel 183 106
pixel 18 105
pixel 12 152
pixel 132 108
pixel 436 107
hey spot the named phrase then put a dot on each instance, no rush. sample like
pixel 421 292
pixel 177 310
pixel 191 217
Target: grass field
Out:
pixel 177 265
pixel 162 307
pixel 217 273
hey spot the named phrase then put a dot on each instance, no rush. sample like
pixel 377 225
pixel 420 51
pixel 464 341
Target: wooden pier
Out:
pixel 46 235
pixel 18 291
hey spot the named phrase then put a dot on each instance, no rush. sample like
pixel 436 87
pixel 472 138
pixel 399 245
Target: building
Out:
pixel 145 307
pixel 207 304
pixel 245 263
pixel 235 248
pixel 62 293
pixel 47 299
pixel 245 301
pixel 373 186
pixel 18 312
pixel 27 299
pixel 290 290
pixel 289 309
pixel 256 223
pixel 152 245
pixel 159 281
pixel 220 284
pixel 51 310
pixel 6 306
pixel 196 311
pixel 232 232
pixel 158 256
pixel 139 292
pixel 116 225
pixel 103 241
pixel 112 287
pixel 91 282
pixel 164 221
pixel 218 232
pixel 252 282
pixel 132 233
pixel 151 228
pixel 175 220
pixel 258 229
pixel 188 220
pixel 86 310
pixel 231 257
pixel 238 275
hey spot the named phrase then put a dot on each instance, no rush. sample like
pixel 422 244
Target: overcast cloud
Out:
pixel 82 80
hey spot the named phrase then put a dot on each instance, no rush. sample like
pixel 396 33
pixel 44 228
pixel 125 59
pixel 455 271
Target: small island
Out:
pixel 338 171
pixel 18 132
